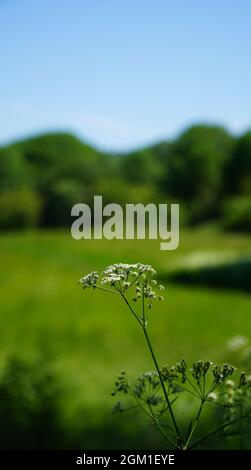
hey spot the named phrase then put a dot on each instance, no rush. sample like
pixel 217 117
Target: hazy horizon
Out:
pixel 84 138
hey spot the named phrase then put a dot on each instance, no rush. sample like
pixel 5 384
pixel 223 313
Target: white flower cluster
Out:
pixel 121 277
pixel 90 280
pixel 124 275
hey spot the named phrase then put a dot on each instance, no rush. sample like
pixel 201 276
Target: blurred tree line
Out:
pixel 206 170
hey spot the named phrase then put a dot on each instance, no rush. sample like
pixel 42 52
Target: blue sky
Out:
pixel 123 73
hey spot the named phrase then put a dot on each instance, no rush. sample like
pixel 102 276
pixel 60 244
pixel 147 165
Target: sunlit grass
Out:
pixel 91 339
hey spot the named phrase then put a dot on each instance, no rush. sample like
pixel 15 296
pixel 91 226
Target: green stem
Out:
pixel 194 424
pixel 215 431
pixel 192 385
pixel 163 386
pixel 106 290
pixel 163 432
pixel 129 306
pixel 158 424
pixel 189 391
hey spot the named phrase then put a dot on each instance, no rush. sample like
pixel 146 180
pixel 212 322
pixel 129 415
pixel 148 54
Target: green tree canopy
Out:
pixel 14 170
pixel 53 156
pixel 196 160
pixel 238 171
pixel 141 167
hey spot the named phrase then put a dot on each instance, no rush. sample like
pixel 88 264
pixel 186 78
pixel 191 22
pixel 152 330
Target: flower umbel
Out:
pixel 134 282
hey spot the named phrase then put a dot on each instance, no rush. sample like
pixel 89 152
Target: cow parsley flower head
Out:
pixel 126 273
pixel 140 277
pixel 134 282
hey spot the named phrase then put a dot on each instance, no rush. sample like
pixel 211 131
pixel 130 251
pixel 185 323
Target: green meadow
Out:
pixel 90 335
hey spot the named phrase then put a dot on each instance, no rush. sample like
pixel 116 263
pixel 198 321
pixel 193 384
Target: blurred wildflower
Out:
pixel 237 342
pixel 212 396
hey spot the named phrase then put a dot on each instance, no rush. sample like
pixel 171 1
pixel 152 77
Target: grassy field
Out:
pixel 90 335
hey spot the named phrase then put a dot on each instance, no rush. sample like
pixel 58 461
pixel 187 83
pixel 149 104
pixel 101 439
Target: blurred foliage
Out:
pixel 33 413
pixel 236 213
pixel 34 402
pixel 141 167
pixel 238 169
pixel 19 208
pixel 195 167
pixel 14 170
pixel 64 171
pixel 29 406
pixel 201 169
pixel 55 156
pixel 232 275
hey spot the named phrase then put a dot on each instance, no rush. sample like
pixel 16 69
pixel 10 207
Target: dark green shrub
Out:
pixel 238 168
pixel 14 170
pixel 19 208
pixel 236 214
pixel 196 162
pixel 141 167
pixel 29 406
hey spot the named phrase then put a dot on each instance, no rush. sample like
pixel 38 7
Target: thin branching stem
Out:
pixel 215 431
pixel 192 385
pixel 194 426
pixel 157 368
pixel 162 432
pixel 129 306
pixel 106 290
pixel 163 387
